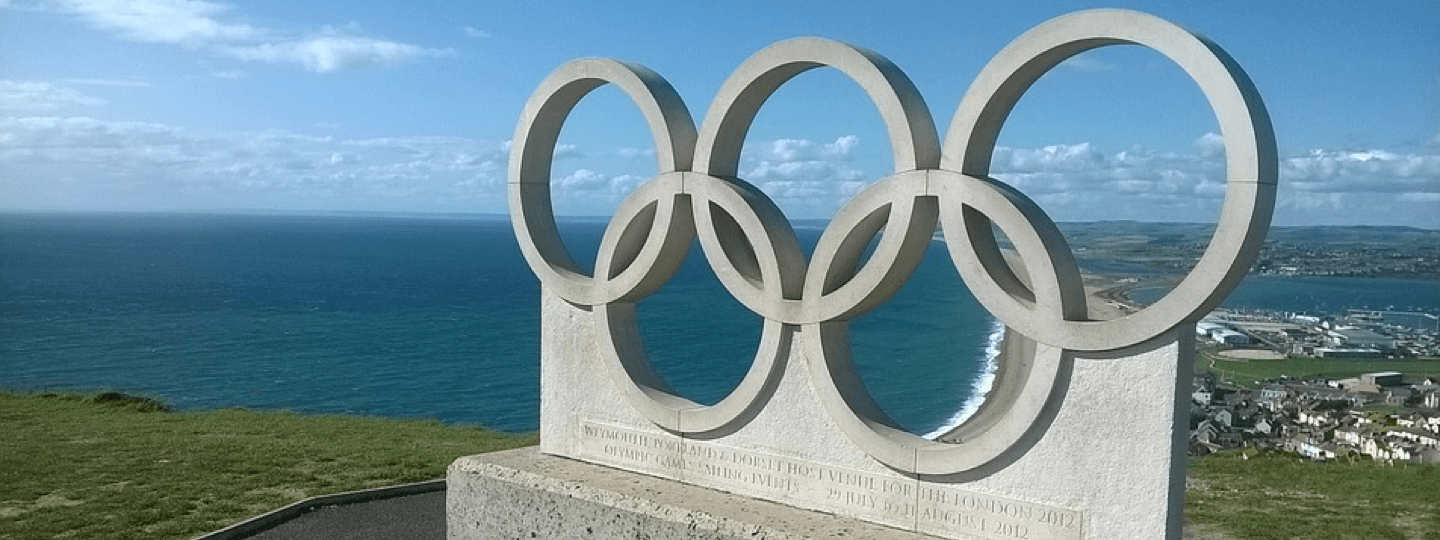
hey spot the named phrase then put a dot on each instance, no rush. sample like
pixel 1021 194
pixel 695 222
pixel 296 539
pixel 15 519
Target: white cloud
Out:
pixel 633 153
pixel 84 163
pixel 805 177
pixel 1210 145
pixel 1362 171
pixel 331 53
pixel 35 97
pixel 625 183
pixel 108 82
pixel 1060 156
pixel 198 24
pixel 790 150
pixel 1086 63
pixel 1079 182
pixel 1310 202
pixel 567 151
pixel 1210 188
pixel 590 192
pixel 1430 197
pixel 475 33
pixel 190 23
pixel 582 180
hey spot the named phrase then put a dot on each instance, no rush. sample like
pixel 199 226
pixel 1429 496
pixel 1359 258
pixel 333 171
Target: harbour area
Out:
pixel 1360 384
pixel 1330 349
pixel 1357 334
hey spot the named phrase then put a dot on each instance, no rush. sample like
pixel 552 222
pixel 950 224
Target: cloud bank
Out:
pixel 1079 182
pixel 43 97
pixel 81 163
pixel 52 158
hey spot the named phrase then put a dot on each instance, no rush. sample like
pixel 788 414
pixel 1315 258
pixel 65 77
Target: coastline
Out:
pixel 1106 298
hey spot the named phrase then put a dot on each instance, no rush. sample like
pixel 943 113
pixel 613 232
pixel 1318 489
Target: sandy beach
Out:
pixel 1107 297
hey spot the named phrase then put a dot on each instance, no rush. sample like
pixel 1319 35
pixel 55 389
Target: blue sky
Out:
pixel 409 106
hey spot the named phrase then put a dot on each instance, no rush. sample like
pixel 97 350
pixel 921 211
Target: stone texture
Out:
pixel 1109 450
pixel 522 493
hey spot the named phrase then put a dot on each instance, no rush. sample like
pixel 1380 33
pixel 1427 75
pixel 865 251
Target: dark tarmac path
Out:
pixel 409 517
pixel 405 512
pixel 411 513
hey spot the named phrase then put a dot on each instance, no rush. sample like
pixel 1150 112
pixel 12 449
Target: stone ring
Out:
pixel 754 252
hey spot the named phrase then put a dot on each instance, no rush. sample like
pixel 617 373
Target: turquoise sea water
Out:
pixel 433 317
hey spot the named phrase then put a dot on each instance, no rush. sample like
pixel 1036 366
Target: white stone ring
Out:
pixel 753 250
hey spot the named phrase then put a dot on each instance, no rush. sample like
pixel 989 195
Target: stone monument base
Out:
pixel 521 494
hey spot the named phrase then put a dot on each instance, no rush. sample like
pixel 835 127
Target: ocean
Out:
pixel 424 317
pixel 428 317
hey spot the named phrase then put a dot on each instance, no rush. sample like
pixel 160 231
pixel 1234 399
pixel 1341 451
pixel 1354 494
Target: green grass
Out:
pixel 1251 373
pixel 91 467
pixel 75 466
pixel 1277 496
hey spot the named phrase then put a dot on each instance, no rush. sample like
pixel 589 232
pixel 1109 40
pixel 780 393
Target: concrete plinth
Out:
pixel 518 494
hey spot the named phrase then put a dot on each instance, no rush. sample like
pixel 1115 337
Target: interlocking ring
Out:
pixel 754 252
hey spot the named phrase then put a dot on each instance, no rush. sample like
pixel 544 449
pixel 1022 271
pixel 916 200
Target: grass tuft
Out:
pixel 139 403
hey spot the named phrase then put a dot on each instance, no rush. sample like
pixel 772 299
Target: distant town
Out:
pixel 1304 258
pixel 1359 384
pixel 1170 249
pixel 1384 415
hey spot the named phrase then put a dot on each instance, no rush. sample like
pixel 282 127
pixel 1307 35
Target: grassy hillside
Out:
pixel 104 466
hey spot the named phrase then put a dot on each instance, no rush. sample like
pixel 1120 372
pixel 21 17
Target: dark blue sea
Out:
pixel 434 317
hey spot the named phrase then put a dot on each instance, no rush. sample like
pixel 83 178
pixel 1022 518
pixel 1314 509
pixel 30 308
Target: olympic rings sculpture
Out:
pixel 753 250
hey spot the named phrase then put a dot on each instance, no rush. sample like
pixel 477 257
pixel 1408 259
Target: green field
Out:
pixel 116 468
pixel 1250 373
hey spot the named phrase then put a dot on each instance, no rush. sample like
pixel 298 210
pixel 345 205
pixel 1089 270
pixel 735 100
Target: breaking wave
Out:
pixel 980 387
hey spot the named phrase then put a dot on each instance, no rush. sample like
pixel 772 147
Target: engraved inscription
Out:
pixel 896 501
pixel 994 517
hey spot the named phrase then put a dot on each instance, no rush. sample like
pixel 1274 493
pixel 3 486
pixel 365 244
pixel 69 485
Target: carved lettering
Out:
pixel 626 453
pixel 846 478
pixel 772 481
pixel 721 472
pixel 902 502
pixel 897 488
pixel 1062 519
pixel 950 517
pixel 899 509
pixel 1012 530
pixel 803 470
